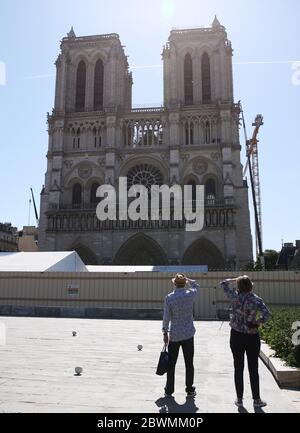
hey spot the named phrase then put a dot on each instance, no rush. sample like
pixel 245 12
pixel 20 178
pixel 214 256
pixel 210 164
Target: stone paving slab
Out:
pixel 37 369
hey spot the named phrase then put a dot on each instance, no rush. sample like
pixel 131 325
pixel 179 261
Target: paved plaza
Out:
pixel 37 369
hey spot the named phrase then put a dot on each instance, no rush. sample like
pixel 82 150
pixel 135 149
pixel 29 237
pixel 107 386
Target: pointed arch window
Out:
pixel 207 133
pixel 206 79
pixel 78 138
pixel 193 184
pixel 129 134
pixel 97 137
pixel 73 137
pixel 192 133
pixel 98 85
pixel 77 195
pixel 186 128
pixel 188 80
pixel 80 86
pixel 210 191
pixel 93 198
pixel 189 133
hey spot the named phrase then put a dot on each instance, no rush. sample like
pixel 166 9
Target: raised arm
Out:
pixel 229 291
pixel 194 285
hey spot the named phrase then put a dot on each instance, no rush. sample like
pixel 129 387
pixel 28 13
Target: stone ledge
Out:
pixel 82 312
pixel 285 376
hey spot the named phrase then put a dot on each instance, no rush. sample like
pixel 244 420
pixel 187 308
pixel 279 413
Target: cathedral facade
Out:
pixel 95 137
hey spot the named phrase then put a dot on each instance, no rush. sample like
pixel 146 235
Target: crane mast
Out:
pixel 253 166
pixel 255 169
pixel 35 209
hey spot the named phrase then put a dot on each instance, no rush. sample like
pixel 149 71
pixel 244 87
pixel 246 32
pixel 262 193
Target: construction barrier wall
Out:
pixel 78 292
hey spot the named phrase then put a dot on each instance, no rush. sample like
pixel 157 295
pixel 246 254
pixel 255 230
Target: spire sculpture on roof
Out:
pixel 71 33
pixel 216 23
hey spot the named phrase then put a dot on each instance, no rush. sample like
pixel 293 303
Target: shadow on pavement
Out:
pixel 169 405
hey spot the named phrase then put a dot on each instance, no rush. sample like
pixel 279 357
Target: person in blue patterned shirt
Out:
pixel 248 313
pixel 178 313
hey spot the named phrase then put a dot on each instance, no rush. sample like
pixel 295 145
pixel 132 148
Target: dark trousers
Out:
pixel 188 354
pixel 239 344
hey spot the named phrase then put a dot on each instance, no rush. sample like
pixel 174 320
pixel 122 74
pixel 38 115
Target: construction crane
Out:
pixel 252 165
pixel 35 210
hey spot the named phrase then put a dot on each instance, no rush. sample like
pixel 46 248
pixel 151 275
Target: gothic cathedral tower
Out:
pixel 95 137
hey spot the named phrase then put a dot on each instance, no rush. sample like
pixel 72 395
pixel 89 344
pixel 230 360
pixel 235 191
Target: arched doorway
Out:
pixel 203 252
pixel 140 250
pixel 86 255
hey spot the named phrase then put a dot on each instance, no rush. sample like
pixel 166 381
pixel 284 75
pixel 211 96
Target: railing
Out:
pixel 188 28
pixel 209 202
pixel 73 207
pixel 187 31
pixel 147 109
pixel 93 37
pixel 217 215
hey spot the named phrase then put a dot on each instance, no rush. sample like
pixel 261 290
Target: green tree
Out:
pixel 271 257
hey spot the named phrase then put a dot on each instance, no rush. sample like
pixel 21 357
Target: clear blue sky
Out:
pixel 260 31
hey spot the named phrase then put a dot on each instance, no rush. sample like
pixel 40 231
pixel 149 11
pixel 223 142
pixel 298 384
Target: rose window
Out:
pixel 144 174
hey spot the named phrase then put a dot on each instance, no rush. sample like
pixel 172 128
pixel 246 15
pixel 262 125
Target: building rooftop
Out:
pixel 8 228
pixel 287 255
pixel 186 31
pixel 71 37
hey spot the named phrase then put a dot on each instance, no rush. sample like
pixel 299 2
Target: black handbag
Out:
pixel 163 363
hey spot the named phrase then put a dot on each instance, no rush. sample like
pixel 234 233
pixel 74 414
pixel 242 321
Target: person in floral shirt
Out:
pixel 248 313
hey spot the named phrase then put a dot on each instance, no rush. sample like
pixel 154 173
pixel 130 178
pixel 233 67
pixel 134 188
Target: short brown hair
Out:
pixel 179 280
pixel 244 284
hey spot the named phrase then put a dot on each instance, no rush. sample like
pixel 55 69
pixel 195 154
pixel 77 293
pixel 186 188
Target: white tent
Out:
pixel 52 261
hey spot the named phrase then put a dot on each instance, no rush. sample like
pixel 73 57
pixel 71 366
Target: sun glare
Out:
pixel 167 8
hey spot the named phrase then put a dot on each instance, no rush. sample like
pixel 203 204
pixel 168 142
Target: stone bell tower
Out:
pixel 198 67
pixel 97 67
pixel 93 84
pixel 204 120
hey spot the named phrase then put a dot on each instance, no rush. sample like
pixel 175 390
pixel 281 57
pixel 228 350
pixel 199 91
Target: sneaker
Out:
pixel 191 393
pixel 259 403
pixel 239 402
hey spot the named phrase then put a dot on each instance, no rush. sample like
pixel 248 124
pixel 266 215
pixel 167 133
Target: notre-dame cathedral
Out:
pixel 95 136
